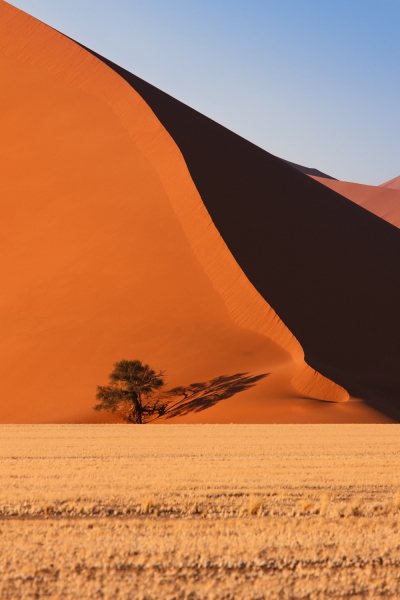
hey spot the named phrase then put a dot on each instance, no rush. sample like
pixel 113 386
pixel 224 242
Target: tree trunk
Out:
pixel 139 408
pixel 137 411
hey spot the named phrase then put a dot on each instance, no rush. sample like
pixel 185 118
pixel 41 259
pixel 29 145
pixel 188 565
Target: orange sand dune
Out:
pixel 394 184
pixel 381 201
pixel 314 255
pixel 108 252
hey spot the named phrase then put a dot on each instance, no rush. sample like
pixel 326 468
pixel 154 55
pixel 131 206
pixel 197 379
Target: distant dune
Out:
pixel 309 171
pixel 135 227
pixel 382 201
pixel 394 184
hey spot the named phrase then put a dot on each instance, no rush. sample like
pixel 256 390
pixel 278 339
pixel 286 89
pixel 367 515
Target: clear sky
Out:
pixel 314 81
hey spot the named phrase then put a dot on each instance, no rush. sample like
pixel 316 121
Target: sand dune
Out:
pixel 109 252
pixel 394 184
pixel 134 227
pixel 382 201
pixel 315 256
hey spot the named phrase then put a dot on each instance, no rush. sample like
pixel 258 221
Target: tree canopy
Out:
pixel 132 392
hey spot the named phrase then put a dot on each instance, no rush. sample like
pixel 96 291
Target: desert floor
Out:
pixel 200 511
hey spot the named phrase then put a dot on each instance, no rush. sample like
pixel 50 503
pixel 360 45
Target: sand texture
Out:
pixel 200 512
pixel 384 202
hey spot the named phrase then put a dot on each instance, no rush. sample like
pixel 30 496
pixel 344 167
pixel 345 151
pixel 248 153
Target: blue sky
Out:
pixel 314 81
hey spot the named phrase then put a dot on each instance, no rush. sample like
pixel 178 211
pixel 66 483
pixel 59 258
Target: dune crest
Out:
pixel 393 184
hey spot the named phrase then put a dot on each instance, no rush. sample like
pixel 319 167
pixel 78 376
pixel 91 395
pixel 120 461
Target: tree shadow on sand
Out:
pixel 200 396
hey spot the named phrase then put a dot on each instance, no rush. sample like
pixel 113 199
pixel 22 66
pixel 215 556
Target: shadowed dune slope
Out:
pixel 309 171
pixel 394 184
pixel 383 202
pixel 108 252
pixel 328 267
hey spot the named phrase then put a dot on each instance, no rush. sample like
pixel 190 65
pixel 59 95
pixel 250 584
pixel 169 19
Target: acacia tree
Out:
pixel 131 392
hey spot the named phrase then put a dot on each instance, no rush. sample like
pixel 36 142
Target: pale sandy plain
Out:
pixel 200 511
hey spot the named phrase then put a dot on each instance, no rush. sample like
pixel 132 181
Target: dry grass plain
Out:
pixel 200 511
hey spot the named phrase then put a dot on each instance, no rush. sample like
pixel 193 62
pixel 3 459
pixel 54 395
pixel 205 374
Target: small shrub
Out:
pixel 324 502
pixel 255 505
pixel 357 507
pixel 305 505
pixel 147 506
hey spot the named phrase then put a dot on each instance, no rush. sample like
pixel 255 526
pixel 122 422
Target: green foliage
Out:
pixel 132 392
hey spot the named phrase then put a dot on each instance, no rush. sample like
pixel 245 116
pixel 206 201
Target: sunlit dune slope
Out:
pixel 382 201
pixel 108 252
pixel 394 184
pixel 327 267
